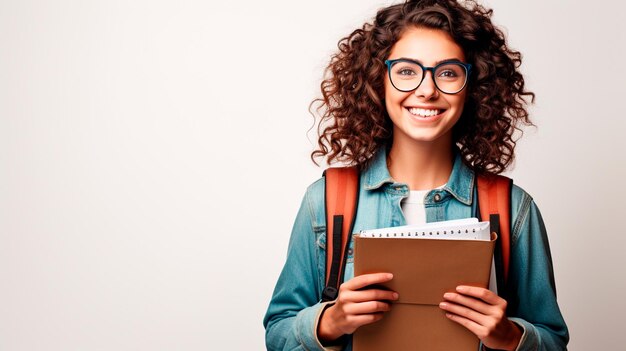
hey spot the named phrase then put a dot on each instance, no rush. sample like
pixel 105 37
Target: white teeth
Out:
pixel 423 112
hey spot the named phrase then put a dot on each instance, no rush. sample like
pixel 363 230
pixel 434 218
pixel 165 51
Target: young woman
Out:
pixel 422 100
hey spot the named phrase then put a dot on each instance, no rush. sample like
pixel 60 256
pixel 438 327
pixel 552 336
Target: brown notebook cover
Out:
pixel 423 270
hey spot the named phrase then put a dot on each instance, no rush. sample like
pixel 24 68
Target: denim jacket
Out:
pixel 295 308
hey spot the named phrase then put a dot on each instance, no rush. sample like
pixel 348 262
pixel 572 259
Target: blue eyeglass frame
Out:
pixel 467 66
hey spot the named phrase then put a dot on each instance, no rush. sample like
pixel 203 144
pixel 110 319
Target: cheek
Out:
pixel 393 97
pixel 393 104
pixel 458 101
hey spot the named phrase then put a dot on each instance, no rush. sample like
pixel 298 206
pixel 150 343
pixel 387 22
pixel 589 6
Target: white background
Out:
pixel 153 155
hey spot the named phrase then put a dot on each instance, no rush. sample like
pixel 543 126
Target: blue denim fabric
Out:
pixel 293 314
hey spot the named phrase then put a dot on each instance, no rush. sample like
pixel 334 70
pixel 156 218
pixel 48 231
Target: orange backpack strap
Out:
pixel 494 203
pixel 342 192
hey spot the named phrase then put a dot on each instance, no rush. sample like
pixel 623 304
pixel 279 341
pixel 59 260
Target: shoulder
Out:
pixel 520 199
pixel 315 190
pixel 315 198
pixel 314 201
pixel 525 215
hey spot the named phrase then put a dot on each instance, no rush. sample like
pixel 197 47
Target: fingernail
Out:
pixel 395 296
pixel 443 304
pixel 389 276
pixel 461 288
pixel 449 315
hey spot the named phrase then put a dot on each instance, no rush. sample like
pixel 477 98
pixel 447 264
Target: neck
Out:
pixel 421 165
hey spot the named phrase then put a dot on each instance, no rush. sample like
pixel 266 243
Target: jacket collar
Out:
pixel 460 184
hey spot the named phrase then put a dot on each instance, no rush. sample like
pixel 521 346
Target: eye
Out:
pixel 405 71
pixel 448 73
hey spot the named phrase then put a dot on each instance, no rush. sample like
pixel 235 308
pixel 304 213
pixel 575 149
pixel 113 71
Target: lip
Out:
pixel 425 107
pixel 428 119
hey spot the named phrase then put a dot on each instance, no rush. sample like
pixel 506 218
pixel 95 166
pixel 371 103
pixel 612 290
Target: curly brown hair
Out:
pixel 353 120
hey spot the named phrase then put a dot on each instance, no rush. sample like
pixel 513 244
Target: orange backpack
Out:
pixel 342 196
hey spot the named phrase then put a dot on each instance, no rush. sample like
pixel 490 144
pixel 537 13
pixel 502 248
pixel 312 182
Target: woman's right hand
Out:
pixel 356 305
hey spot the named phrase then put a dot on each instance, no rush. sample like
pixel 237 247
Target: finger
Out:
pixel 362 319
pixel 367 307
pixel 471 302
pixel 370 295
pixel 465 312
pixel 364 280
pixel 480 293
pixel 470 325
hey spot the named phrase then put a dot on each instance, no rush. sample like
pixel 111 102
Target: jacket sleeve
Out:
pixel 534 305
pixel 291 319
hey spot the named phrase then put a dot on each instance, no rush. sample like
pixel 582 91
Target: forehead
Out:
pixel 426 45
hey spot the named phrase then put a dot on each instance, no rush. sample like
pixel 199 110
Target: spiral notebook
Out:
pixel 424 268
pixel 460 229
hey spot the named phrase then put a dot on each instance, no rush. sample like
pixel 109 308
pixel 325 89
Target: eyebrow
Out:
pixel 452 59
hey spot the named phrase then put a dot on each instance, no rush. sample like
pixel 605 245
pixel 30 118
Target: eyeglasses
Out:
pixel 406 75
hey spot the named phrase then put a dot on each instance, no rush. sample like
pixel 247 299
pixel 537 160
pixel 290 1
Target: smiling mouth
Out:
pixel 421 112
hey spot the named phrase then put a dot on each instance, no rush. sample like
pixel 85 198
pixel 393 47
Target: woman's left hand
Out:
pixel 483 313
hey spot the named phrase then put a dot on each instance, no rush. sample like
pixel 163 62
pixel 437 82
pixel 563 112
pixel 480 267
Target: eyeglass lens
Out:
pixel 449 77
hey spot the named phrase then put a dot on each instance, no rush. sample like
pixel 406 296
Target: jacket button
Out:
pixel 437 197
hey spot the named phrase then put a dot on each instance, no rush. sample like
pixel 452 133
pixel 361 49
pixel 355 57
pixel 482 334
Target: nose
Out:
pixel 427 89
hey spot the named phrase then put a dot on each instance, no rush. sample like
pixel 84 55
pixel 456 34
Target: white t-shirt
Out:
pixel 413 207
